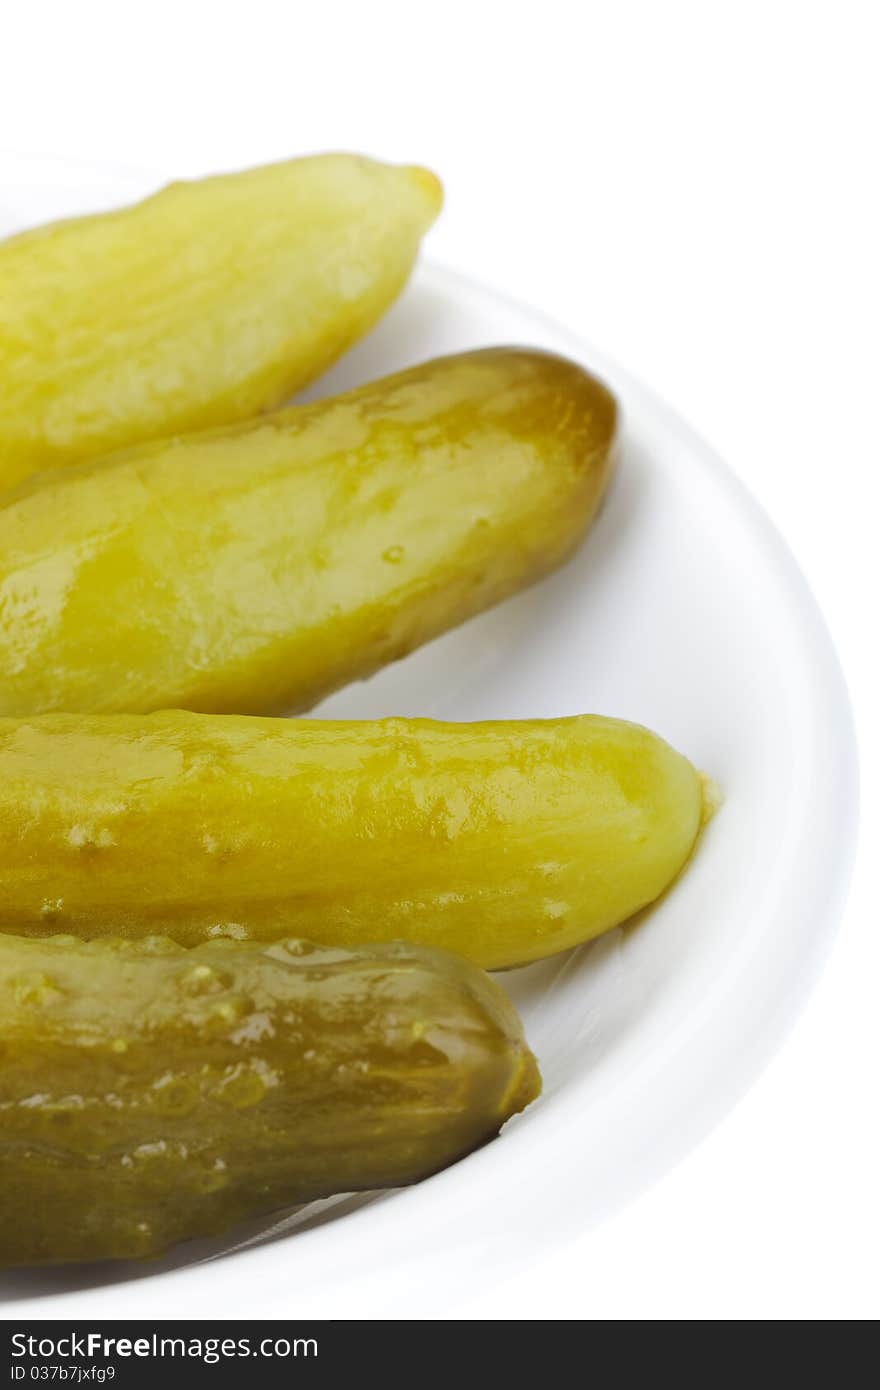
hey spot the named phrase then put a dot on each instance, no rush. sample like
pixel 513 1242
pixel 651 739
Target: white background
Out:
pixel 694 186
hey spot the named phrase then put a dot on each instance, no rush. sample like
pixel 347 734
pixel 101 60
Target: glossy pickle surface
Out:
pixel 150 1094
pixel 204 304
pixel 255 570
pixel 502 841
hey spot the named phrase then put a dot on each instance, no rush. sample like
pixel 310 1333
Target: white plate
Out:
pixel 683 611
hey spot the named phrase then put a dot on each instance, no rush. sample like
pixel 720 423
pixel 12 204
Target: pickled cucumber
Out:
pixel 253 571
pixel 500 841
pixel 150 1094
pixel 202 305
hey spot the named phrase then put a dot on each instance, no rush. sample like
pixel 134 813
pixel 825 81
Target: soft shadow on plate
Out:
pixel 43 1283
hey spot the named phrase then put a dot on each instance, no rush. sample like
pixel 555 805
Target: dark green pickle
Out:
pixel 151 1093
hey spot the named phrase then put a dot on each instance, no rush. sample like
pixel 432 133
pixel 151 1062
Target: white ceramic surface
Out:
pixel 685 612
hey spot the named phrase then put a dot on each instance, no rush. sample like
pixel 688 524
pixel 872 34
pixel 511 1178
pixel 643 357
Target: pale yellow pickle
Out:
pixel 205 304
pixel 257 569
pixel 502 842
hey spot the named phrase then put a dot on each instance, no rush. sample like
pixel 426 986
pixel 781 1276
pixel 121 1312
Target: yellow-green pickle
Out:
pixel 204 304
pixel 150 1094
pixel 255 570
pixel 502 841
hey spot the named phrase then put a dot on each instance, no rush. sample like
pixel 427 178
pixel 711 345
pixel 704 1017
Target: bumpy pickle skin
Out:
pixel 204 304
pixel 256 570
pixel 151 1094
pixel 503 842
